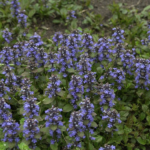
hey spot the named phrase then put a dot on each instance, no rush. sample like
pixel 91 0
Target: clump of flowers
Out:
pixel 64 60
pixel 36 39
pixel 10 130
pixel 42 57
pixel 15 8
pixel 75 88
pixel 107 96
pixel 145 42
pixel 84 65
pixel 118 51
pixel 118 75
pixel 15 57
pixel 3 89
pixel 142 70
pixel 107 147
pixel 51 61
pixel 118 36
pixel 19 47
pixel 127 59
pixel 64 40
pixel 19 81
pixel 53 86
pixel 89 81
pixel 53 121
pixel 6 55
pixel 31 129
pixel 112 117
pixel 87 110
pixel 57 38
pixel 25 89
pixel 87 41
pixel 103 49
pixel 73 47
pixel 10 80
pixel 22 19
pixel 31 51
pixel 4 110
pixel 31 108
pixel 76 34
pixel 71 15
pixel 76 129
pixel 7 35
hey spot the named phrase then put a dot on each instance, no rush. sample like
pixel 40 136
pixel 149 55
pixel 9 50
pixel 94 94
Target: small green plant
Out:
pixel 93 20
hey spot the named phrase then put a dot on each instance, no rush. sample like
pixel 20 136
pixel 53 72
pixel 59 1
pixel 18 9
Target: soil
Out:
pixel 100 7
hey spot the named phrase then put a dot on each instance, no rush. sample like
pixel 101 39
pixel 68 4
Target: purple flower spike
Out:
pixel 53 118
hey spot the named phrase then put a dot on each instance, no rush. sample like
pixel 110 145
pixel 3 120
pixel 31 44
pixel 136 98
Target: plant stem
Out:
pixel 66 83
pixel 87 140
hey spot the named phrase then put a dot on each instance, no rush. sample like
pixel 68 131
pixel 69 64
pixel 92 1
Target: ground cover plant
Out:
pixel 76 90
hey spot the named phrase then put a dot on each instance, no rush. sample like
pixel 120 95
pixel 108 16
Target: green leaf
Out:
pixel 95 37
pixel 22 121
pixel 38 136
pixel 56 21
pixel 53 127
pixel 45 131
pixel 148 119
pixel 94 124
pixel 11 145
pixel 70 70
pixel 68 96
pixel 38 70
pixel 20 70
pixel 142 116
pixel 81 134
pixel 63 128
pixel 147 94
pixel 85 122
pixel 124 113
pixel 127 130
pixel 144 108
pixel 63 12
pixel 80 29
pixel 25 141
pixel 37 148
pixel 125 138
pixel 23 146
pixel 98 139
pixel 54 146
pixel 31 13
pixel 21 110
pixel 67 108
pixel 141 141
pixel 99 70
pixel 74 24
pixel 91 147
pixel 61 93
pixel 36 7
pixel 90 7
pixel 140 92
pixel 25 74
pixel 120 131
pixel 24 4
pixel 2 146
pixel 124 11
pixel 93 54
pixel 48 100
